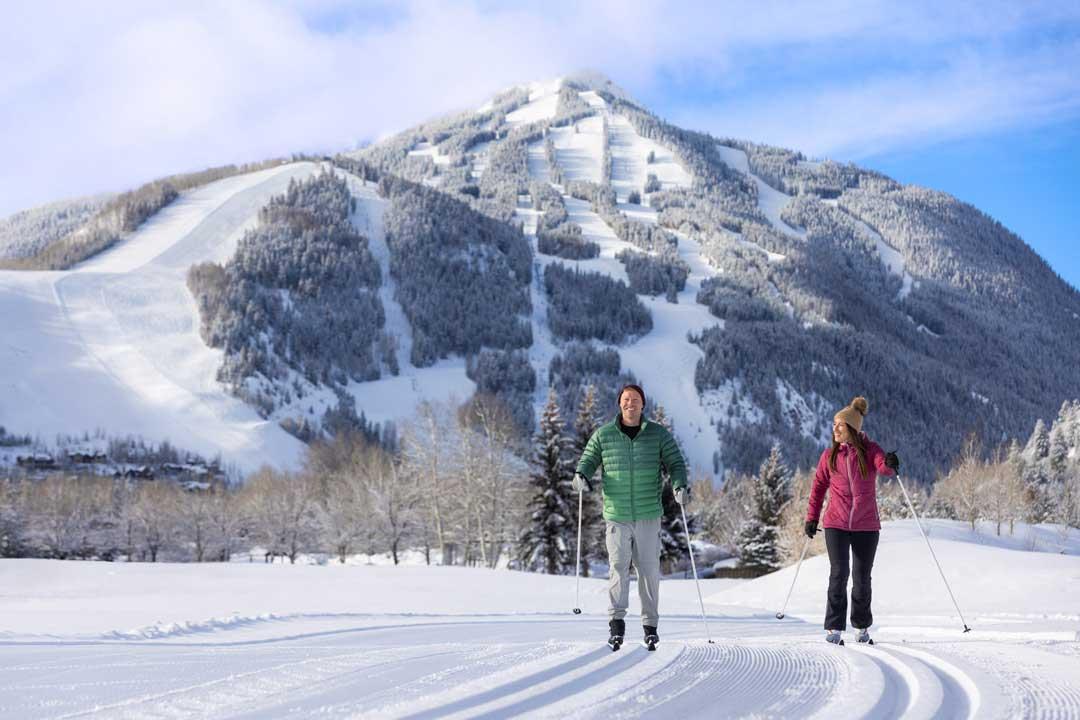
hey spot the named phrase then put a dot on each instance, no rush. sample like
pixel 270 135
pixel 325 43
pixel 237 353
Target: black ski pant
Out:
pixel 861 548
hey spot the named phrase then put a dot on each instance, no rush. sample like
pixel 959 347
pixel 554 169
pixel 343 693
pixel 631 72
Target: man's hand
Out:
pixel 892 462
pixel 580 483
pixel 682 495
pixel 810 528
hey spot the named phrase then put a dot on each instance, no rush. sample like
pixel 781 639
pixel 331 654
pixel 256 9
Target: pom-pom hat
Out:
pixel 854 413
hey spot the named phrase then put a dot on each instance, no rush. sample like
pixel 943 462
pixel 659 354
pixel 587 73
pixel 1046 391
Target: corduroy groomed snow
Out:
pixel 854 413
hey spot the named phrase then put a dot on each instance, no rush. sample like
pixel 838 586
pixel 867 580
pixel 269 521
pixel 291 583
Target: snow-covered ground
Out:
pixel 426 149
pixel 395 397
pixel 579 149
pixel 114 344
pixel 543 103
pixel 630 166
pixel 105 640
pixel 770 200
pixel 890 258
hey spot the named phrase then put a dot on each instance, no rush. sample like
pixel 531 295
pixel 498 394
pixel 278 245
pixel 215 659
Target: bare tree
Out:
pixel 155 509
pixel 60 513
pixel 963 488
pixel 1003 495
pixel 196 521
pixel 226 512
pixel 394 497
pixel 282 511
pixel 425 447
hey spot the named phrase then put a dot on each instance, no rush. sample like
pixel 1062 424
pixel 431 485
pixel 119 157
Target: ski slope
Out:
pixel 250 640
pixel 114 343
pixel 770 201
pixel 663 359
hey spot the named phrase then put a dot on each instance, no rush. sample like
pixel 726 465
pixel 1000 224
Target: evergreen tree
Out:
pixel 1039 444
pixel 593 528
pixel 759 539
pixel 1036 477
pixel 673 539
pixel 546 543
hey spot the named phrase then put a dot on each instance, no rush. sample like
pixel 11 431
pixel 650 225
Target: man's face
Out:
pixel 630 404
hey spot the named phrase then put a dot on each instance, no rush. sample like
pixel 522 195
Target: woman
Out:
pixel 848 472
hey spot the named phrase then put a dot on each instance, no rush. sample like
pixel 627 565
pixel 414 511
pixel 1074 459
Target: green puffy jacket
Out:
pixel 631 469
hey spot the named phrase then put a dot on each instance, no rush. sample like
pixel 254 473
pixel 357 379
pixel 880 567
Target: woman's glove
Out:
pixel 810 528
pixel 892 462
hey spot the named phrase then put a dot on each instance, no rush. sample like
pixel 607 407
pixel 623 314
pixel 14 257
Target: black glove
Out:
pixel 810 528
pixel 892 462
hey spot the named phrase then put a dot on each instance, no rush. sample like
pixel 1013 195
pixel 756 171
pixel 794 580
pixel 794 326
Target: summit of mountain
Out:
pixel 562 235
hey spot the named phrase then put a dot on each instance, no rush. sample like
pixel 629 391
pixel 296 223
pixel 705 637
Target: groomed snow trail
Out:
pixel 770 200
pixel 396 397
pixel 114 344
pixel 506 666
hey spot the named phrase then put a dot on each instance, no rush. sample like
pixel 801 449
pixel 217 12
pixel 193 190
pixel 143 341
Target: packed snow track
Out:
pixel 506 666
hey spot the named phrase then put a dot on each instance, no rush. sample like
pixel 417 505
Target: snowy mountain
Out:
pixel 368 639
pixel 559 235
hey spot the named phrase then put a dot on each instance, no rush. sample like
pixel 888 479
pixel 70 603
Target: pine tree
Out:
pixel 1036 475
pixel 759 539
pixel 593 528
pixel 546 543
pixel 673 539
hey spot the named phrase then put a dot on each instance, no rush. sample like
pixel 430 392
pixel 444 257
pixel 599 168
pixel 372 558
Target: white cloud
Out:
pixel 893 110
pixel 106 95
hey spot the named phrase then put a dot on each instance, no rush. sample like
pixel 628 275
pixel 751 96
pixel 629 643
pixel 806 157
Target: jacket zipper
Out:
pixel 851 484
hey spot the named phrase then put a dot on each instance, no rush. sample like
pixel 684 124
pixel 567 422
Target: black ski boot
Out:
pixel 616 630
pixel 651 638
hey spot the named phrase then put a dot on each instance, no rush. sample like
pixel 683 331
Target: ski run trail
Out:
pixel 114 343
pixel 370 640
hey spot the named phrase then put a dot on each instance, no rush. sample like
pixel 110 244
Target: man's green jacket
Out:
pixel 631 469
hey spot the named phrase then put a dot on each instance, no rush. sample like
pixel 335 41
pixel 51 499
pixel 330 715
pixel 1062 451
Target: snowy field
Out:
pixel 114 343
pixel 244 639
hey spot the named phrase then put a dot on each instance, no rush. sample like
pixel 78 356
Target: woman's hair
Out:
pixel 856 442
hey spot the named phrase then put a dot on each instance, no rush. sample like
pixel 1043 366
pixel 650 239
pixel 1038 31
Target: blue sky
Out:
pixel 979 99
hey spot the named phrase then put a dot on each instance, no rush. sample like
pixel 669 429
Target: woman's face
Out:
pixel 840 432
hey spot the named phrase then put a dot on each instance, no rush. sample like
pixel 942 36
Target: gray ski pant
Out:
pixel 639 540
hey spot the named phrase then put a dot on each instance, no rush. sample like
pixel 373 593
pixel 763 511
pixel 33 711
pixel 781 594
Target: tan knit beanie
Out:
pixel 854 413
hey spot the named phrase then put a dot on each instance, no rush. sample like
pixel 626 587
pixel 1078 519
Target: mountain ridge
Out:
pixel 937 329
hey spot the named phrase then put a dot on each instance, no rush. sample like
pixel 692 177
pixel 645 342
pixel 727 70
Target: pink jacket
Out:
pixel 852 495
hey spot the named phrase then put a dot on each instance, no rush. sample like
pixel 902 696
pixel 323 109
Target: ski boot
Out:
pixel 651 638
pixel 833 636
pixel 863 636
pixel 616 631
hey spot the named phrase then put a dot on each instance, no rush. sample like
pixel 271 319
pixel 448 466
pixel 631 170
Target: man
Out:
pixel 631 451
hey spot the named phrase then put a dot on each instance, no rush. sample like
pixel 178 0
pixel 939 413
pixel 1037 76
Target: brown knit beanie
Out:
pixel 854 413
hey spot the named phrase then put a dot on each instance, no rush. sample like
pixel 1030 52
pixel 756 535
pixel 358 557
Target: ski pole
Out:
pixel 693 565
pixel 780 615
pixel 577 565
pixel 931 547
